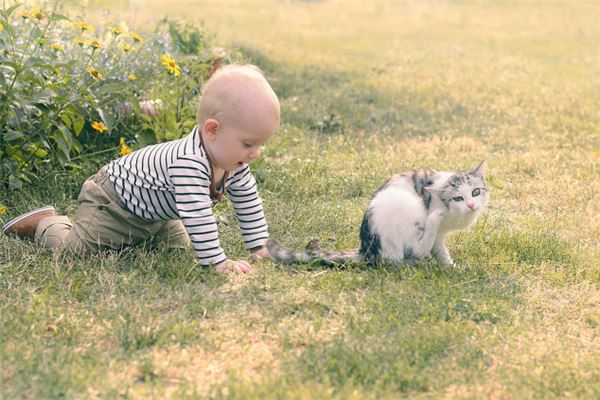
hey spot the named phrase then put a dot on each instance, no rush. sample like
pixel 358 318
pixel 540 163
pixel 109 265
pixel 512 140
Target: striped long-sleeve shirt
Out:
pixel 171 181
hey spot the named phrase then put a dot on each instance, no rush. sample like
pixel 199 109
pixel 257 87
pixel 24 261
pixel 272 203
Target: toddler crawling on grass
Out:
pixel 166 192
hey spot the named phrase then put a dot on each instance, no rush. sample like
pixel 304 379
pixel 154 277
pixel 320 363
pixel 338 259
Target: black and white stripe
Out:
pixel 171 181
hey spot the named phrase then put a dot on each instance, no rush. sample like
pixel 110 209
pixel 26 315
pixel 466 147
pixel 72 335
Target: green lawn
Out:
pixel 366 91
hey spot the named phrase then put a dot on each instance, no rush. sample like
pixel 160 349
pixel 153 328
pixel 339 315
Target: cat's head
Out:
pixel 464 193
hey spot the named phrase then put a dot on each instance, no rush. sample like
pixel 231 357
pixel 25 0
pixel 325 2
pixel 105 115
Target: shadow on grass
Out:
pixel 415 329
pixel 331 102
pixel 406 330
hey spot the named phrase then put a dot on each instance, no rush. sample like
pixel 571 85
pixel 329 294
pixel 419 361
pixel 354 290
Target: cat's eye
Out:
pixel 476 192
pixel 458 198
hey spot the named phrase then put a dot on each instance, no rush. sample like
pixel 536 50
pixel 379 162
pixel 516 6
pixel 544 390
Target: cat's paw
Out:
pixel 437 205
pixel 437 213
pixel 445 262
pixel 453 265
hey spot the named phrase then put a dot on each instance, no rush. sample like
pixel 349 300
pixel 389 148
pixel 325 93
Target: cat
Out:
pixel 408 218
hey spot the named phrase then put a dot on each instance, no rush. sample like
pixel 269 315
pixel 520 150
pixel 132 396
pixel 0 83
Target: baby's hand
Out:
pixel 260 254
pixel 235 267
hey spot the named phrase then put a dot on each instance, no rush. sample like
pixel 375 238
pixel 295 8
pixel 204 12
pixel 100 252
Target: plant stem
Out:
pixel 179 101
pixel 17 72
pixel 92 154
pixel 11 36
pixel 85 68
pixel 45 28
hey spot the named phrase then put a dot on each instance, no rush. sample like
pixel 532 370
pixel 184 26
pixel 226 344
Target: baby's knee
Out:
pixel 52 232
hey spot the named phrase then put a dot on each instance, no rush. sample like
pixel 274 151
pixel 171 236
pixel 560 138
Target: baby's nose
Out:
pixel 254 154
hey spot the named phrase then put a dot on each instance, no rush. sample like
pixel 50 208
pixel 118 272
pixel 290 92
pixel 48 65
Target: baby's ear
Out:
pixel 210 127
pixel 480 169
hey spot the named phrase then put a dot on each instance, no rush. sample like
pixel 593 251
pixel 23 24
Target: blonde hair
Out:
pixel 231 87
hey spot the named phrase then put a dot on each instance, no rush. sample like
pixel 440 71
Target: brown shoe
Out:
pixel 24 225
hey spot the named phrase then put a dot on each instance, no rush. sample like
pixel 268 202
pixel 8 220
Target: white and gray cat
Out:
pixel 408 219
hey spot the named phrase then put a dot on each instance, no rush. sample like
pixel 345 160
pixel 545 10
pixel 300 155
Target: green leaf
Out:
pixel 28 176
pixel 14 182
pixel 8 28
pixel 62 146
pixel 78 125
pixel 106 118
pixel 146 137
pixel 40 64
pixel 58 17
pixel 12 9
pixel 41 153
pixel 66 119
pixel 76 146
pixel 11 135
pixel 65 134
pixel 15 66
pixel 74 166
pixel 112 87
pixel 46 97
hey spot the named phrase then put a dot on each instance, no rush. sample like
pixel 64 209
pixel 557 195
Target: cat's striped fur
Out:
pixel 408 219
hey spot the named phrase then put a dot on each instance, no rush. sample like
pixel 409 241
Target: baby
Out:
pixel 165 192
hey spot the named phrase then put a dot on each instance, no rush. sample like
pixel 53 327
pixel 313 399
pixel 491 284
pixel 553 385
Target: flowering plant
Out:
pixel 70 90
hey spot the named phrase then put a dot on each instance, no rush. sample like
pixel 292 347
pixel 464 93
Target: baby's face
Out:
pixel 239 139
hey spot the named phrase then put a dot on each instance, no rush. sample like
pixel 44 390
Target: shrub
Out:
pixel 70 91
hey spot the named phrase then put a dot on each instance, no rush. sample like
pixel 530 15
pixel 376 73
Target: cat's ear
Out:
pixel 480 170
pixel 437 192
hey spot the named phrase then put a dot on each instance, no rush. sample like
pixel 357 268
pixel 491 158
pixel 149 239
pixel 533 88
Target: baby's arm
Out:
pixel 248 207
pixel 191 179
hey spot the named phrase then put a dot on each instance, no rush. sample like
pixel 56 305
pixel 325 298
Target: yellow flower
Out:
pixel 84 27
pixel 94 44
pixel 99 126
pixel 37 14
pixel 95 74
pixel 136 37
pixel 25 14
pixel 170 64
pixel 3 210
pixel 125 48
pixel 79 41
pixel 58 47
pixel 116 30
pixel 132 77
pixel 124 148
pixel 1 27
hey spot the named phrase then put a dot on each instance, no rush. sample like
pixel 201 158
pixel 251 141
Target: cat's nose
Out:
pixel 471 206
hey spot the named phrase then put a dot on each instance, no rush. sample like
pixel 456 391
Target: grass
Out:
pixel 366 91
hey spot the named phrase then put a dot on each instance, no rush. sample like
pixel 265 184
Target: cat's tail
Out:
pixel 285 256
